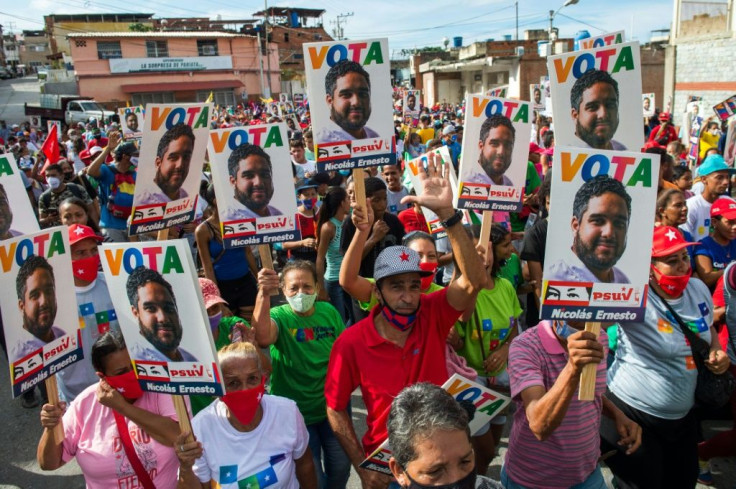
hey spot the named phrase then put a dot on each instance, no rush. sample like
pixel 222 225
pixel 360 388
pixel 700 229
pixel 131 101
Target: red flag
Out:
pixel 51 149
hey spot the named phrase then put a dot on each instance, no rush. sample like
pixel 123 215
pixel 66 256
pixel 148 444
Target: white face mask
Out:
pixel 301 302
pixel 53 182
pixel 134 160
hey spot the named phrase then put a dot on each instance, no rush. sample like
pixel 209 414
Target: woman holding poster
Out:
pixel 101 423
pixel 251 439
pixel 653 377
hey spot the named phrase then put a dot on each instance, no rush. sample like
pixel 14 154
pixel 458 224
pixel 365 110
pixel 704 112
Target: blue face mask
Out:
pixel 344 173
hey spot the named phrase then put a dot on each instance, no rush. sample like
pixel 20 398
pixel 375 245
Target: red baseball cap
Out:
pixel 535 148
pixel 78 232
pixel 723 206
pixel 668 240
pixel 664 116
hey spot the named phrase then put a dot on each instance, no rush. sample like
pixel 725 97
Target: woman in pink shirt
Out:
pixel 143 456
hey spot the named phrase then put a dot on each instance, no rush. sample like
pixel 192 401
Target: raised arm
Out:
pixel 437 196
pixel 49 453
pixel 358 287
pixel 266 330
pixel 93 170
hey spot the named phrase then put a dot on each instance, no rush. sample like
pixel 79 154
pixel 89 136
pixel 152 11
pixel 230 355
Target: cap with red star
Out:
pixel 668 240
pixel 396 260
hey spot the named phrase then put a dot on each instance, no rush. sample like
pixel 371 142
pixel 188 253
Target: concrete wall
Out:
pixel 60 43
pixel 706 68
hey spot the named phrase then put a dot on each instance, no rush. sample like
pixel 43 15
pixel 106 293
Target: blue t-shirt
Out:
pixel 124 197
pixel 719 255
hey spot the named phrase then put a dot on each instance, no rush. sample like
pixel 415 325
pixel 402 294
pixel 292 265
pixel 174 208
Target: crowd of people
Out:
pixel 367 298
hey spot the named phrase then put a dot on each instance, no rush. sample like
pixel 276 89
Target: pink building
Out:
pixel 174 66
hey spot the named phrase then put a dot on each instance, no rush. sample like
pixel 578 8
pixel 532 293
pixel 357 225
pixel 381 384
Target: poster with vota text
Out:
pixel 253 179
pixel 647 104
pixel 488 404
pixel 39 307
pixel 351 102
pixel 494 154
pixel 414 167
pixel 16 213
pixel 536 96
pixel 602 210
pixel 170 165
pixel 162 316
pixel 603 40
pixel 411 101
pixel 596 95
pixel 132 120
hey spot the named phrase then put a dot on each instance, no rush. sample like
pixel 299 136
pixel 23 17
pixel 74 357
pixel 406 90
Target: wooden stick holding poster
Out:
pixel 359 188
pixel 485 231
pixel 52 393
pixel 264 252
pixel 588 375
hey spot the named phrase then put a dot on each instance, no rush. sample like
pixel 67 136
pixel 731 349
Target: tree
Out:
pixel 138 27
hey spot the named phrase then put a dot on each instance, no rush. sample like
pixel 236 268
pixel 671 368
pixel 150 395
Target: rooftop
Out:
pixel 284 11
pixel 166 34
pixel 122 17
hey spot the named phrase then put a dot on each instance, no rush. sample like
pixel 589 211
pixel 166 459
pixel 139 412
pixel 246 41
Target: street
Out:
pixel 13 94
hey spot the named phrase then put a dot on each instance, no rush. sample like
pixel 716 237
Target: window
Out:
pixel 109 50
pixel 207 47
pixel 157 49
pixel 152 98
pixel 286 37
pixel 219 97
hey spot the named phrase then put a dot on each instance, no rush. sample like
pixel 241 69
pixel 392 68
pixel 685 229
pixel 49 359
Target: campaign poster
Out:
pixel 411 103
pixel 536 96
pixel 351 102
pixel 253 179
pixel 16 213
pixel 488 404
pixel 35 122
pixel 274 109
pixel 498 92
pixel 39 308
pixel 601 41
pixel 729 151
pixel 495 153
pixel 647 104
pixel 298 98
pixel 725 109
pixel 434 223
pixel 162 316
pixel 166 190
pixel 596 96
pixel 597 262
pixel 131 122
pixel 283 98
pixel 51 125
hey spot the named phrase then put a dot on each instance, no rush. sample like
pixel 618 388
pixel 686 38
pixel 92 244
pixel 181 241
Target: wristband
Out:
pixel 454 219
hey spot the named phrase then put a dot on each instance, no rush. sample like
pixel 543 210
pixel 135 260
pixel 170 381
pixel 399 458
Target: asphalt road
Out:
pixel 13 94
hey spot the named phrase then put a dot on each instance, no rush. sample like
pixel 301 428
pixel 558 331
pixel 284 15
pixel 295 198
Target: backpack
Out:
pixel 117 210
pixel 75 189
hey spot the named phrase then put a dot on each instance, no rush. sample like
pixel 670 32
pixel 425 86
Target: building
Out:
pixel 11 51
pixel 182 66
pixel 3 61
pixel 59 26
pixel 700 57
pixel 289 28
pixel 34 50
pixel 482 66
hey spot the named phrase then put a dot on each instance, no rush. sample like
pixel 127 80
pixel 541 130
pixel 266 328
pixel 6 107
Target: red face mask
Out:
pixel 673 285
pixel 126 384
pixel 244 404
pixel 428 267
pixel 86 268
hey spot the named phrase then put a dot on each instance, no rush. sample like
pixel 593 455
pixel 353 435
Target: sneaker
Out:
pixel 705 477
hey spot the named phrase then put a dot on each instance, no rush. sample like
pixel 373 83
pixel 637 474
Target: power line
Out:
pixel 581 22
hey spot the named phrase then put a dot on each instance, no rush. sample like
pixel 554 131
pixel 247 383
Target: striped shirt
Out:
pixel 570 454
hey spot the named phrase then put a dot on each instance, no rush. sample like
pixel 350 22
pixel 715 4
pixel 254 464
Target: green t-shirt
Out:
pixel 511 271
pixel 496 311
pixel 225 326
pixel 300 356
pixel 367 306
pixel 531 184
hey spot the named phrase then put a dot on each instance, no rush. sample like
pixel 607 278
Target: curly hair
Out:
pixel 241 153
pixel 33 263
pixel 595 187
pixel 177 131
pixel 340 69
pixel 494 121
pixel 140 277
pixel 587 80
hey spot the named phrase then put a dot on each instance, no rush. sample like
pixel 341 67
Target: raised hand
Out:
pixel 437 192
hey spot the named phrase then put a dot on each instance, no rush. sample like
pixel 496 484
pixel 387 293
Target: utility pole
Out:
pixel 268 51
pixel 338 31
pixel 260 62
pixel 517 19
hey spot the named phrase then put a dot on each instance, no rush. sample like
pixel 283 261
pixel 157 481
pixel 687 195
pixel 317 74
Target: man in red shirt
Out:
pixel 402 341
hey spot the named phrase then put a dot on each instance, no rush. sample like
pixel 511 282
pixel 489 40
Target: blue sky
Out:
pixel 407 24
